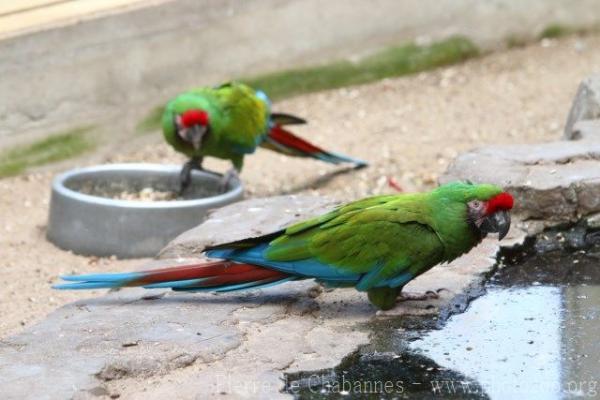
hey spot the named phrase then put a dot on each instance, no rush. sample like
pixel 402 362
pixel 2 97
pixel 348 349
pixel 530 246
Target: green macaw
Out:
pixel 376 245
pixel 230 121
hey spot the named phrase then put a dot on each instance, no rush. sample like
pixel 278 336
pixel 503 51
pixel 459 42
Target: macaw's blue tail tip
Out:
pixel 337 158
pixel 85 285
pixel 96 281
pixel 359 164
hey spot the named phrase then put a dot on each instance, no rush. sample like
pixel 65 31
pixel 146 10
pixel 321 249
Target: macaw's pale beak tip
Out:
pixel 195 134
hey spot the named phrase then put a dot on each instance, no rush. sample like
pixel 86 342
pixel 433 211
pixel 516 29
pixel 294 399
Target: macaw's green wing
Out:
pixel 383 241
pixel 244 121
pixel 383 250
pixel 302 226
pixel 342 211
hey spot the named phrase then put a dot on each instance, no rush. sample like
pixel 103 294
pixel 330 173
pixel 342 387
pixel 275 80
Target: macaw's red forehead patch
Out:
pixel 194 117
pixel 502 201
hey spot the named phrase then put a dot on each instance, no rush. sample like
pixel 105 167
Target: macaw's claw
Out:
pixel 185 176
pixel 226 180
pixel 417 296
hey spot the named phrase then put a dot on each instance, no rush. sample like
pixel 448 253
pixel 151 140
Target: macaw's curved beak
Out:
pixel 498 222
pixel 195 134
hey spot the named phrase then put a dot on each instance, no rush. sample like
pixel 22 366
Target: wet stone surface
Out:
pixel 533 333
pixel 381 375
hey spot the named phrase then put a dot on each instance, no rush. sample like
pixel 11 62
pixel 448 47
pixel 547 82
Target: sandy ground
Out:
pixel 408 128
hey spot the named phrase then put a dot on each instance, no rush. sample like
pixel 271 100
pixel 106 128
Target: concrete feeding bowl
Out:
pixel 92 213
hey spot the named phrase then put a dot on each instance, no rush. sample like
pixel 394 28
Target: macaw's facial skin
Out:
pixel 491 216
pixel 192 126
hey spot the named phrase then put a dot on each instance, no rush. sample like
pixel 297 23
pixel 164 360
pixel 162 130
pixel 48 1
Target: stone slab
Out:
pixel 154 344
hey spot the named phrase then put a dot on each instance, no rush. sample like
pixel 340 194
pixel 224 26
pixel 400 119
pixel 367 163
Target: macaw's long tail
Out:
pixel 283 141
pixel 218 276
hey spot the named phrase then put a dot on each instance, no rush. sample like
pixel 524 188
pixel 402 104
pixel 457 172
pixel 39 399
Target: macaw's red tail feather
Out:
pixel 215 275
pixel 292 142
pixel 285 142
pixel 194 271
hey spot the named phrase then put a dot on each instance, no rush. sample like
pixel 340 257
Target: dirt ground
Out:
pixel 408 128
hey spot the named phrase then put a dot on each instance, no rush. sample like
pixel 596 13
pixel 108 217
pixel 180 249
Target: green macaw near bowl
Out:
pixel 229 122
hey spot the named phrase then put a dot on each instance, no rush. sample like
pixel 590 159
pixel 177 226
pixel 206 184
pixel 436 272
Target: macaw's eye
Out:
pixel 476 204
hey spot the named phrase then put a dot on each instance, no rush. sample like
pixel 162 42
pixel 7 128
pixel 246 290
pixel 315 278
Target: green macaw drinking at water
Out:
pixel 376 245
pixel 229 122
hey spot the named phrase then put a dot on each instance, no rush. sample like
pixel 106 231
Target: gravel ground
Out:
pixel 408 128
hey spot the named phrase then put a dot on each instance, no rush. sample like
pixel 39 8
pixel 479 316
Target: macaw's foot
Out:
pixel 185 176
pixel 383 298
pixel 418 296
pixel 226 179
pixel 386 298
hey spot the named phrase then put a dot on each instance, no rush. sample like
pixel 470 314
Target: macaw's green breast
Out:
pixel 238 120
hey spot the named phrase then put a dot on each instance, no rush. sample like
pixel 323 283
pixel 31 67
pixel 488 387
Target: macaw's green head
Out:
pixel 488 206
pixel 192 126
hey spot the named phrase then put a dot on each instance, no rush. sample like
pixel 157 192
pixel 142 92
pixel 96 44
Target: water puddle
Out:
pixel 535 334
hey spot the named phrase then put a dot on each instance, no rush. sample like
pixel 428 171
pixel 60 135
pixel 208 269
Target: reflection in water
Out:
pixel 379 376
pixel 535 333
pixel 509 341
pixel 581 340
